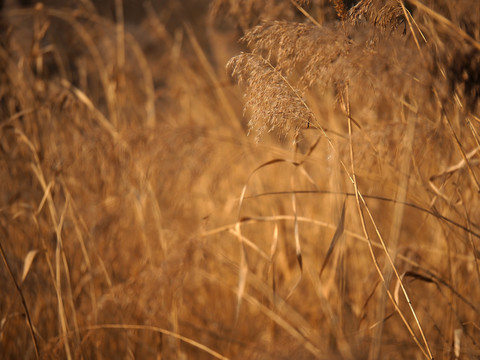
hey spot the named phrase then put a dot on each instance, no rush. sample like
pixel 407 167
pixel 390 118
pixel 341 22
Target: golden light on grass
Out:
pixel 240 179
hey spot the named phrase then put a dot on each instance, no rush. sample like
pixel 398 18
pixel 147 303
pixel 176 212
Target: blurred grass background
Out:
pixel 125 159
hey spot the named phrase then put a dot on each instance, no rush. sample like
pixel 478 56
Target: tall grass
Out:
pixel 145 215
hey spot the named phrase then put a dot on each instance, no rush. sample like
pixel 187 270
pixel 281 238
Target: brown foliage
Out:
pixel 138 219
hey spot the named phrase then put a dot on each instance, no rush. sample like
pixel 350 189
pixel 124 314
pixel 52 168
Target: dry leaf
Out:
pixel 28 263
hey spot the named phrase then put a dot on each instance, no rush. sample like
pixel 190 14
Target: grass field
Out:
pixel 241 179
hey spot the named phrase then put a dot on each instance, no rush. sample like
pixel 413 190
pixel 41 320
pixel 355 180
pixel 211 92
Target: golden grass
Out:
pixel 139 220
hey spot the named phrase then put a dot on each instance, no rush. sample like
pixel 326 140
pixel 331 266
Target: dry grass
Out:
pixel 138 219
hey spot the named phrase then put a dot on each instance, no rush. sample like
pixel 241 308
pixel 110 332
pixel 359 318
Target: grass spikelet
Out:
pixel 340 9
pixel 385 14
